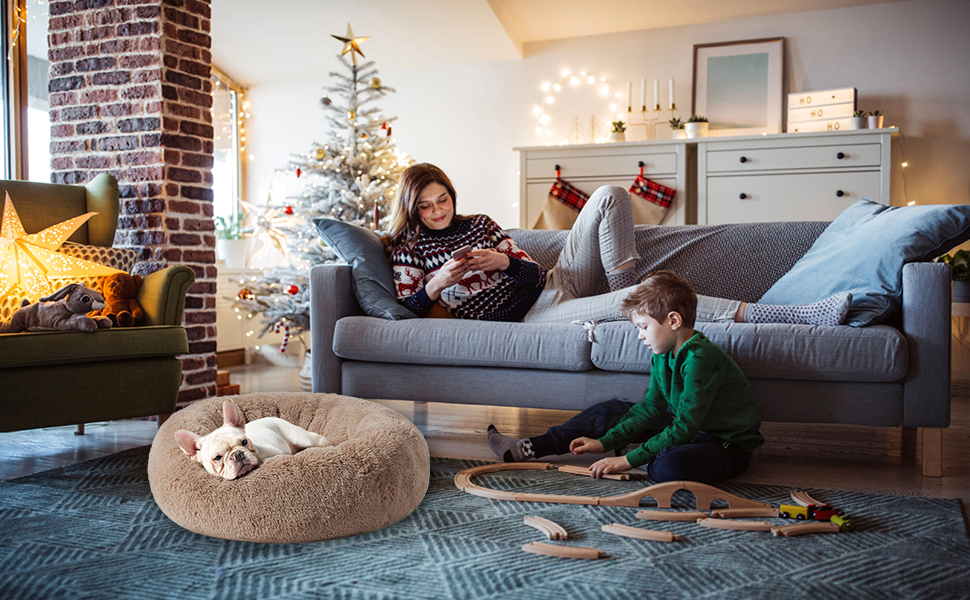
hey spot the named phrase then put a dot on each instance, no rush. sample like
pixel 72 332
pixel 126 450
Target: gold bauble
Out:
pixel 321 154
pixel 352 115
pixel 375 83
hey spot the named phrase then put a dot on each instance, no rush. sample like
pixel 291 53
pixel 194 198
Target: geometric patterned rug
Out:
pixel 92 530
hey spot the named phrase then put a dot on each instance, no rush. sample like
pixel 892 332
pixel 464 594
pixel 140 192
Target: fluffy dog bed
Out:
pixel 375 475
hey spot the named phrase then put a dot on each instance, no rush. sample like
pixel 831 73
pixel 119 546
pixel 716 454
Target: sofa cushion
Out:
pixel 463 342
pixel 68 347
pixel 775 351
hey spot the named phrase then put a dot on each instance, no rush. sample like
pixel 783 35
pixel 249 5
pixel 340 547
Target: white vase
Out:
pixel 680 134
pixel 618 136
pixel 875 122
pixel 695 130
pixel 857 123
pixel 235 253
pixel 306 374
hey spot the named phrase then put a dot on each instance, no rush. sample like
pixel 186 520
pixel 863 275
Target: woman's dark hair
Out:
pixel 405 222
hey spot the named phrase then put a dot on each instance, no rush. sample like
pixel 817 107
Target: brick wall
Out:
pixel 131 95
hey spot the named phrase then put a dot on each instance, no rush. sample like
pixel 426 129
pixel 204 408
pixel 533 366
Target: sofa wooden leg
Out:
pixel 162 418
pixel 79 430
pixel 932 452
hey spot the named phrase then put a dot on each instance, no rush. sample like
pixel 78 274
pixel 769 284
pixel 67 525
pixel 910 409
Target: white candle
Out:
pixel 629 95
pixel 656 93
pixel 643 92
pixel 671 94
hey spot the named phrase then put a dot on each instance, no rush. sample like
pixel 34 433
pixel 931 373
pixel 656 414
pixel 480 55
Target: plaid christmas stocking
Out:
pixel 561 207
pixel 658 199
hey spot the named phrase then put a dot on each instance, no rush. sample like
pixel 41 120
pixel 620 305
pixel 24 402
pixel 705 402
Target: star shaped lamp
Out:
pixel 352 44
pixel 30 261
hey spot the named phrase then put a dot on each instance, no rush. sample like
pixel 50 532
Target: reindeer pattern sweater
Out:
pixel 481 295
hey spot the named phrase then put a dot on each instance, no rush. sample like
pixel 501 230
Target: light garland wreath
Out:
pixel 552 90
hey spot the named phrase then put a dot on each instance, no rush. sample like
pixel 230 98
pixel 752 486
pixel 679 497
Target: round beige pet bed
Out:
pixel 375 475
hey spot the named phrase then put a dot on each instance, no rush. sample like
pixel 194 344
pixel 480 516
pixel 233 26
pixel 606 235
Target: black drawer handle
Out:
pixel 743 196
pixel 744 159
pixel 840 193
pixel 840 155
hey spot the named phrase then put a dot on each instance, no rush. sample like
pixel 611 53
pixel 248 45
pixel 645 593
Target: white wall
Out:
pixel 909 59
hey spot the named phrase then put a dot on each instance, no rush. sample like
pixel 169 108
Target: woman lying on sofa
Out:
pixel 496 281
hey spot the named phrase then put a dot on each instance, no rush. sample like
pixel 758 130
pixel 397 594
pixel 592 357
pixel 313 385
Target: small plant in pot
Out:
pixel 232 246
pixel 858 120
pixel 959 263
pixel 618 135
pixel 875 119
pixel 696 127
pixel 678 128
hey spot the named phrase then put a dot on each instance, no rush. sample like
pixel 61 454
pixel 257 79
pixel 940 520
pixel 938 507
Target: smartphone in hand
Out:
pixel 461 252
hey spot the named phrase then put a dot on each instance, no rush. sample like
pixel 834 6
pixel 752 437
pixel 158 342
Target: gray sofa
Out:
pixel 890 375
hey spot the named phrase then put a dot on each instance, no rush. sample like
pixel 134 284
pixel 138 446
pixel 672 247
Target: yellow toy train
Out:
pixel 817 512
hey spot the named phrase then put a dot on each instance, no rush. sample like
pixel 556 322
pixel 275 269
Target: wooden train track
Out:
pixel 584 471
pixel 803 499
pixel 734 525
pixel 553 531
pixel 563 551
pixel 662 515
pixel 641 534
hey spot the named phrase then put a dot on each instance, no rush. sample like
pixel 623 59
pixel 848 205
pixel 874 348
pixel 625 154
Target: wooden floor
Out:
pixel 836 457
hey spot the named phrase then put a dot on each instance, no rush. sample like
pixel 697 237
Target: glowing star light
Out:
pixel 352 44
pixel 29 262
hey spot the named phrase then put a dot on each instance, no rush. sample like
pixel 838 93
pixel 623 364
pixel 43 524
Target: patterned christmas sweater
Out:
pixel 481 295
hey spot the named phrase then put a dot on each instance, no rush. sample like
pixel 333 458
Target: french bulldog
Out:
pixel 237 447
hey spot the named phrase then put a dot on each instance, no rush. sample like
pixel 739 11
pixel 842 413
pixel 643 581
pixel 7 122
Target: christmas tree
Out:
pixel 352 177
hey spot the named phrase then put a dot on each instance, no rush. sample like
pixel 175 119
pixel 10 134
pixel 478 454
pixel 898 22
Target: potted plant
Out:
pixel 696 127
pixel 858 120
pixel 875 119
pixel 617 135
pixel 231 246
pixel 959 263
pixel 678 128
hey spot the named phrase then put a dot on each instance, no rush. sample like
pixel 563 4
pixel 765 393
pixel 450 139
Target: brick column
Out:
pixel 131 95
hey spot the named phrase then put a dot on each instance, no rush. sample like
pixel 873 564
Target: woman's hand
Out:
pixel 617 464
pixel 448 275
pixel 487 260
pixel 585 444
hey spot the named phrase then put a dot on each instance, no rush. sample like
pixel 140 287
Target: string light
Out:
pixel 545 118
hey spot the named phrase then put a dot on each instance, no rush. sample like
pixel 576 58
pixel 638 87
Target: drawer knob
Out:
pixel 840 155
pixel 743 196
pixel 840 193
pixel 744 159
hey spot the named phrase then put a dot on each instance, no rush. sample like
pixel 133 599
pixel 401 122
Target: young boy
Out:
pixel 698 420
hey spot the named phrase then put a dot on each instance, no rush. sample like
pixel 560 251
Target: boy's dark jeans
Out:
pixel 705 458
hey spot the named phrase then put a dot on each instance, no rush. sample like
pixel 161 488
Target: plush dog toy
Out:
pixel 63 310
pixel 121 305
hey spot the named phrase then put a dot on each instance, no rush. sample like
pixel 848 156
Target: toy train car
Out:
pixel 817 512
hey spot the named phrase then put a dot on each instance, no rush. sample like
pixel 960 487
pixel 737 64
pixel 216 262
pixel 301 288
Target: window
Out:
pixel 38 105
pixel 24 101
pixel 229 139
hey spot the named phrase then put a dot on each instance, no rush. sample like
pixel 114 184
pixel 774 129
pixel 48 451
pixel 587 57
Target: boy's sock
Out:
pixel 623 278
pixel 509 449
pixel 830 311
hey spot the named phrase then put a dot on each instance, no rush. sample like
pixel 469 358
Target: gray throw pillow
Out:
pixel 373 277
pixel 863 252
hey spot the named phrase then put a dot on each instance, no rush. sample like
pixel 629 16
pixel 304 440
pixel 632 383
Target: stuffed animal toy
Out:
pixel 63 310
pixel 121 305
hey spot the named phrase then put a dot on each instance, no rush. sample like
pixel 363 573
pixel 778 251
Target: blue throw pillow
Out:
pixel 373 277
pixel 863 252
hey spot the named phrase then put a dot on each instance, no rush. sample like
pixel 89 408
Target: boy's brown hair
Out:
pixel 661 293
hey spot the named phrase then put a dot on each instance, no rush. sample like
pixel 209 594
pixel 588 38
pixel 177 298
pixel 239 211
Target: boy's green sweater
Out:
pixel 706 392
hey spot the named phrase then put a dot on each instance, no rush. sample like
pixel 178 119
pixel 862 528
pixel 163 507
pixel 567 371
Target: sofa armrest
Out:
pixel 926 325
pixel 331 298
pixel 162 295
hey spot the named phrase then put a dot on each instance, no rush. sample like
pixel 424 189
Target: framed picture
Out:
pixel 738 86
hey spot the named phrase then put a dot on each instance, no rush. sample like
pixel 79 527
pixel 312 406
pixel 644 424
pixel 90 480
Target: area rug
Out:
pixel 92 530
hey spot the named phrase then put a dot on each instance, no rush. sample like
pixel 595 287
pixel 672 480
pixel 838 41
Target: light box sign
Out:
pixel 822 110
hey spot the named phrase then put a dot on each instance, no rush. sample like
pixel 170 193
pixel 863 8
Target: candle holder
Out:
pixel 646 121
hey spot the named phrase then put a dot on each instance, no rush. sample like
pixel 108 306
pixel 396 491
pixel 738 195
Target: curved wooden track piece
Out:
pixel 584 471
pixel 736 525
pixel 733 513
pixel 803 499
pixel 661 492
pixel 663 515
pixel 803 528
pixel 563 551
pixel 553 531
pixel 641 534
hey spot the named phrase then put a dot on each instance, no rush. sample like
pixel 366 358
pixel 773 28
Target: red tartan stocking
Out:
pixel 568 195
pixel 660 195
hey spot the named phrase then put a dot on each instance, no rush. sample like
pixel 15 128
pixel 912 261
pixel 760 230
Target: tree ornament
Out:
pixel 325 101
pixel 288 210
pixel 292 290
pixel 352 115
pixel 352 44
pixel 298 172
pixel 321 154
pixel 244 294
pixel 375 83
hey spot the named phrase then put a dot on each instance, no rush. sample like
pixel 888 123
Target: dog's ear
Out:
pixel 188 442
pixel 231 415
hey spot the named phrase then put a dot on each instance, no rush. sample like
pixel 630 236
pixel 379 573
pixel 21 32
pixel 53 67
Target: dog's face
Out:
pixel 225 452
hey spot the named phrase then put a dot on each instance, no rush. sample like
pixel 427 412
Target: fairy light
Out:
pixel 551 89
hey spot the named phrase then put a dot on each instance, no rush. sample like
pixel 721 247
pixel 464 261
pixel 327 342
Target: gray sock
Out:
pixel 622 279
pixel 830 311
pixel 509 449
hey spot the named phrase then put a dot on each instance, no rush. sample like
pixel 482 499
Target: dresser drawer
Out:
pixel 601 166
pixel 805 197
pixel 801 157
pixel 538 193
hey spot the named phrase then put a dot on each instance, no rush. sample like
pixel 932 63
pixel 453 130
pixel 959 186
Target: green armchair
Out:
pixel 56 378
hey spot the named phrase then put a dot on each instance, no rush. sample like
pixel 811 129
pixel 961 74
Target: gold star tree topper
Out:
pixel 352 44
pixel 29 262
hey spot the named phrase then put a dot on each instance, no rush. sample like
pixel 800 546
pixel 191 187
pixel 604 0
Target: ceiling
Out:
pixel 255 41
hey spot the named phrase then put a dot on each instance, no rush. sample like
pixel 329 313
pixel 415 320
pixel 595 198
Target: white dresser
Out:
pixel 791 177
pixel 588 166
pixel 232 325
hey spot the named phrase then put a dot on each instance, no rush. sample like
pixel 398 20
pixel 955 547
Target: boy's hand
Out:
pixel 585 444
pixel 616 464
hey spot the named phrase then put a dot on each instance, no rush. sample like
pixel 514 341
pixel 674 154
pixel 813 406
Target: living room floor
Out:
pixel 834 457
